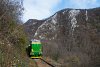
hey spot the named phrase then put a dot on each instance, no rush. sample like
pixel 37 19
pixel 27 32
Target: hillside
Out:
pixel 70 36
pixel 13 40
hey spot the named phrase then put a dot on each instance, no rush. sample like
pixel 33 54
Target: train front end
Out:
pixel 36 49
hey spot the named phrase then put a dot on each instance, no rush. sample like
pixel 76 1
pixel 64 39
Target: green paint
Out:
pixel 36 49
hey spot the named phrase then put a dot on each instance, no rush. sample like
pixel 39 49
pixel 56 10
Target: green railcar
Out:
pixel 36 49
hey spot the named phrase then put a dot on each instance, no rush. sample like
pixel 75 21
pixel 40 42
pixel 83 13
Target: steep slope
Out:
pixel 31 26
pixel 70 36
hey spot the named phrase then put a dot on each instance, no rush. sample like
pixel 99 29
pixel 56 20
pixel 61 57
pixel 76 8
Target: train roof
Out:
pixel 35 41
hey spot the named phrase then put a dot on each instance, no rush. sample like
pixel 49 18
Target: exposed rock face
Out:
pixel 69 33
pixel 31 26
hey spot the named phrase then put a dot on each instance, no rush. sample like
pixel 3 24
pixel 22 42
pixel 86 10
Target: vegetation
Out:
pixel 13 40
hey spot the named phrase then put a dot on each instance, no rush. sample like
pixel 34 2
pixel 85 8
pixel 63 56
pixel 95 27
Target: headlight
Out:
pixel 31 53
pixel 32 50
pixel 40 52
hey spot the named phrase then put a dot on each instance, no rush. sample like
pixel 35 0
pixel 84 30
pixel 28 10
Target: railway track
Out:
pixel 47 63
pixel 43 63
